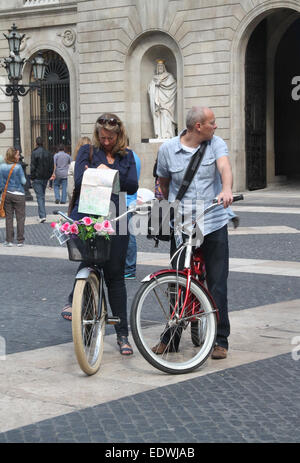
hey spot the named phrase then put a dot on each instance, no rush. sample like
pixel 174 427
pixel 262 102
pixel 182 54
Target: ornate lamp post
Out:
pixel 14 67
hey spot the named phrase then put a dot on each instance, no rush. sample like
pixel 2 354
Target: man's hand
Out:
pixel 226 196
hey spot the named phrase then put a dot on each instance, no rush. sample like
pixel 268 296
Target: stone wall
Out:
pixel 117 41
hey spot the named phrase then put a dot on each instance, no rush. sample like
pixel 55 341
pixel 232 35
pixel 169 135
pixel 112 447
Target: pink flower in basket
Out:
pixel 87 221
pixel 107 227
pixel 74 229
pixel 65 228
pixel 98 227
pixel 53 224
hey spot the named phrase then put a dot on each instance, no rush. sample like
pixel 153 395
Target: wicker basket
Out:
pixel 95 250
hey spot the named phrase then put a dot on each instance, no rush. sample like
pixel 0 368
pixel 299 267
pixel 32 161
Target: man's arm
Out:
pixel 164 185
pixel 224 167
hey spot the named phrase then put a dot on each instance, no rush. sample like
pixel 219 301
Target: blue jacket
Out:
pixel 17 179
pixel 124 164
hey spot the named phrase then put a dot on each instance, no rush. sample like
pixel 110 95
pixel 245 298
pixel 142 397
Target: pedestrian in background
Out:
pixel 82 141
pixel 131 256
pixel 12 175
pixel 41 168
pixel 62 161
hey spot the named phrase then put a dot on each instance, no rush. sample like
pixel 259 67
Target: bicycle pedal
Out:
pixel 112 320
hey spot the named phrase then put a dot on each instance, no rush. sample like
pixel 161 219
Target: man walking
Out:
pixel 41 168
pixel 213 178
pixel 60 174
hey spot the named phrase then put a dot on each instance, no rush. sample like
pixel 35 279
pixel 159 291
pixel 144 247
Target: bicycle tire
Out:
pixel 149 320
pixel 88 327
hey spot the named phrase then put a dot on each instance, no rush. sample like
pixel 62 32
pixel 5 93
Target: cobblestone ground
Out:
pixel 254 403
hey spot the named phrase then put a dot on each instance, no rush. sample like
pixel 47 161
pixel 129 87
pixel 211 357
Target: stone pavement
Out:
pixel 252 396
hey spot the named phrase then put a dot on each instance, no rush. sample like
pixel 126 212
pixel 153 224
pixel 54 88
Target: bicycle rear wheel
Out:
pixel 153 321
pixel 88 324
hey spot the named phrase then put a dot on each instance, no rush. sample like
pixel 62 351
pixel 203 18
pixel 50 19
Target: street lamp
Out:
pixel 14 67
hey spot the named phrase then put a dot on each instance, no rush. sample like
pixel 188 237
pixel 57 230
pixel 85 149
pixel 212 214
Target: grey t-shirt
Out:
pixel 61 162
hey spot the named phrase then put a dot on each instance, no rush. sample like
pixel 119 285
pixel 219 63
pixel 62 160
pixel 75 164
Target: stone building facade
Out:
pixel 238 57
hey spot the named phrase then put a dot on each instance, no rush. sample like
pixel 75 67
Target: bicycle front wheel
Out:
pixel 88 324
pixel 161 312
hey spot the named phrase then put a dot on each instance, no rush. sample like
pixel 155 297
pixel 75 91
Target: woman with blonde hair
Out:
pixel 15 195
pixel 82 141
pixel 110 152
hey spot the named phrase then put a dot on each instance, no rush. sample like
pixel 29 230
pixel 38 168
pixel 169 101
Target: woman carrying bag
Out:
pixel 12 181
pixel 109 151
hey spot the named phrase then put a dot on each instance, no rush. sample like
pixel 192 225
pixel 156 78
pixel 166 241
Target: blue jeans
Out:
pixel 130 266
pixel 39 187
pixel 60 182
pixel 216 257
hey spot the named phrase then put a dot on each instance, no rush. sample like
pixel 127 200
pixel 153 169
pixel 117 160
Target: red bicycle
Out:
pixel 176 304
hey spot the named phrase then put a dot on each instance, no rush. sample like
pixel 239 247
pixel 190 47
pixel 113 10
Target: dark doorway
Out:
pixel 255 107
pixel 50 107
pixel 287 103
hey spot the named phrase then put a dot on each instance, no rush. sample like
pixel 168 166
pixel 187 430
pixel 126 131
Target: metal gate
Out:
pixel 50 106
pixel 255 108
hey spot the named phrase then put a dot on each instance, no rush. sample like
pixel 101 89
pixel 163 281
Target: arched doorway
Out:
pixel 276 22
pixel 50 107
pixel 287 103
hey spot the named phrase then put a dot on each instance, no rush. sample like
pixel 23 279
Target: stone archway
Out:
pixel 41 45
pixel 277 21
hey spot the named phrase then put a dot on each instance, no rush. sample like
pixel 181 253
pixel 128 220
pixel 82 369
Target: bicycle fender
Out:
pixel 182 273
pixel 83 274
pixel 153 275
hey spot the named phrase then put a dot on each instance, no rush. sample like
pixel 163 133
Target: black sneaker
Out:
pixel 57 201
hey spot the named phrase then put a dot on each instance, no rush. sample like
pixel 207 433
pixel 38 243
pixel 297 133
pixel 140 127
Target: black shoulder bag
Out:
pixel 190 172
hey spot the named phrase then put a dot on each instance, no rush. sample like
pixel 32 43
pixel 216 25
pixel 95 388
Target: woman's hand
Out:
pixel 102 166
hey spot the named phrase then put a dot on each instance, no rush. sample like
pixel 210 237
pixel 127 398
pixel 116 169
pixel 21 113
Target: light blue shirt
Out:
pixel 173 160
pixel 131 198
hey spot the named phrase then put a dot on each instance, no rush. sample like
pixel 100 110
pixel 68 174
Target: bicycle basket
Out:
pixel 95 250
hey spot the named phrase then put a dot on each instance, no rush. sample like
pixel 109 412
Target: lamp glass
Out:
pixel 38 64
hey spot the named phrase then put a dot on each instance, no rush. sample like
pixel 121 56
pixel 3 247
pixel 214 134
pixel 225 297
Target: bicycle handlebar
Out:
pixel 144 208
pixel 235 198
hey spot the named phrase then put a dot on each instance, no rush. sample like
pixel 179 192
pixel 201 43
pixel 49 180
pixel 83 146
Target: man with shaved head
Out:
pixel 213 179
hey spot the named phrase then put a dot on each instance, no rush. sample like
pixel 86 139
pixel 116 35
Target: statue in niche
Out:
pixel 162 95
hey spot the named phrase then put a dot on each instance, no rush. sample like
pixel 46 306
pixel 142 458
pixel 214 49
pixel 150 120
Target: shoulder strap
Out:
pixel 91 153
pixel 6 185
pixel 191 170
